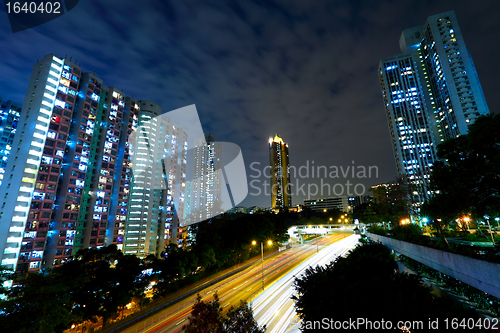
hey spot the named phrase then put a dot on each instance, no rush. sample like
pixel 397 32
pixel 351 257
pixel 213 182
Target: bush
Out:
pixel 377 230
pixel 408 232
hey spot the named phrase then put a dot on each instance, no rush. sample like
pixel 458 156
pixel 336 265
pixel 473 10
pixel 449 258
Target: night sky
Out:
pixel 306 70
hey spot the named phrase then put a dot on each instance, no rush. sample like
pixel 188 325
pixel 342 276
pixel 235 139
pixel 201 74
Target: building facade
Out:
pixel 158 184
pixel 281 196
pixel 431 93
pixel 206 187
pixel 68 180
pixel 9 118
pixel 322 204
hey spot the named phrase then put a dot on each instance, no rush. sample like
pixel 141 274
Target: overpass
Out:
pixel 297 232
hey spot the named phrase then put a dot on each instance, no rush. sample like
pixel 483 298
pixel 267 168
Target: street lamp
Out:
pixel 498 219
pixel 487 218
pixel 269 242
pixel 467 219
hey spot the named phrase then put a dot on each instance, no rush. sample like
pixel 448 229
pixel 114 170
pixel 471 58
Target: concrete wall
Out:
pixel 480 274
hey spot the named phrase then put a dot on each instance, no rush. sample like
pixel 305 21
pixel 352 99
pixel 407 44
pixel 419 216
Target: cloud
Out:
pixel 304 69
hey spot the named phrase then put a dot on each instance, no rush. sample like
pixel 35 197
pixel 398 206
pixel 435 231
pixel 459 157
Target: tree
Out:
pixel 205 317
pixel 366 284
pixel 40 303
pixel 102 281
pixel 208 317
pixel 467 178
pixel 5 275
pixel 240 320
pixel 366 213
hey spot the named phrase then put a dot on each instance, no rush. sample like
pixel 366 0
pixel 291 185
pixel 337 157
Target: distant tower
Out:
pixel 280 173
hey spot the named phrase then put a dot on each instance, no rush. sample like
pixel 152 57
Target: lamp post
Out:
pixel 467 219
pixel 269 242
pixel 487 218
pixel 317 243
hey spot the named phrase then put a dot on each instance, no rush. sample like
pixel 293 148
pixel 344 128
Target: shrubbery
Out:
pixel 365 284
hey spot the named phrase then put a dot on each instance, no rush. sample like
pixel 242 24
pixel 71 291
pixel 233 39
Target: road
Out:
pixel 274 308
pixel 247 284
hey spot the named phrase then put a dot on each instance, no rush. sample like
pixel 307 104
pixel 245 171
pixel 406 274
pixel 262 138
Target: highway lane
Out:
pixel 274 307
pixel 246 284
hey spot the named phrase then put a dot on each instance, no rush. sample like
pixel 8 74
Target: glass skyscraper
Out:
pixel 431 93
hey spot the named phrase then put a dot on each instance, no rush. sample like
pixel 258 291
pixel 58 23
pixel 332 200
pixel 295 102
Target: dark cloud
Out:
pixel 304 69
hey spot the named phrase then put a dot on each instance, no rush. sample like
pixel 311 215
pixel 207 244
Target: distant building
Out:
pixel 206 187
pixel 258 210
pixel 281 195
pixel 358 200
pixel 389 193
pixel 159 169
pixel 239 210
pixel 9 118
pixel 431 93
pixel 322 204
pixel 295 209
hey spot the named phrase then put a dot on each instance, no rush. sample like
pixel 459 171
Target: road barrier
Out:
pixel 479 274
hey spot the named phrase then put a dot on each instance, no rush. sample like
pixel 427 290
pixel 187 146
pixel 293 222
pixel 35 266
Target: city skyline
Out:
pixel 296 81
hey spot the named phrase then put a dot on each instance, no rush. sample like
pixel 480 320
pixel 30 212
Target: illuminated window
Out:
pixel 36 254
pixel 34 264
pixel 63 89
pixel 66 75
pixel 64 82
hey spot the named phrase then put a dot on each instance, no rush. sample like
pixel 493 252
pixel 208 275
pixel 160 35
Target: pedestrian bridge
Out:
pixel 297 231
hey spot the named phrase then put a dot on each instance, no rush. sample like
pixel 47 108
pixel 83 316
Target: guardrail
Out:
pixel 479 274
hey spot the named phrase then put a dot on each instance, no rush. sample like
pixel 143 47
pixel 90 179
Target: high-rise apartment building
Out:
pixel 206 190
pixel 69 177
pixel 158 187
pixel 9 117
pixel 281 196
pixel 431 93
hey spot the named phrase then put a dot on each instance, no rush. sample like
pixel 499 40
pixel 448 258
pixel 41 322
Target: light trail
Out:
pixel 172 319
pixel 274 307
